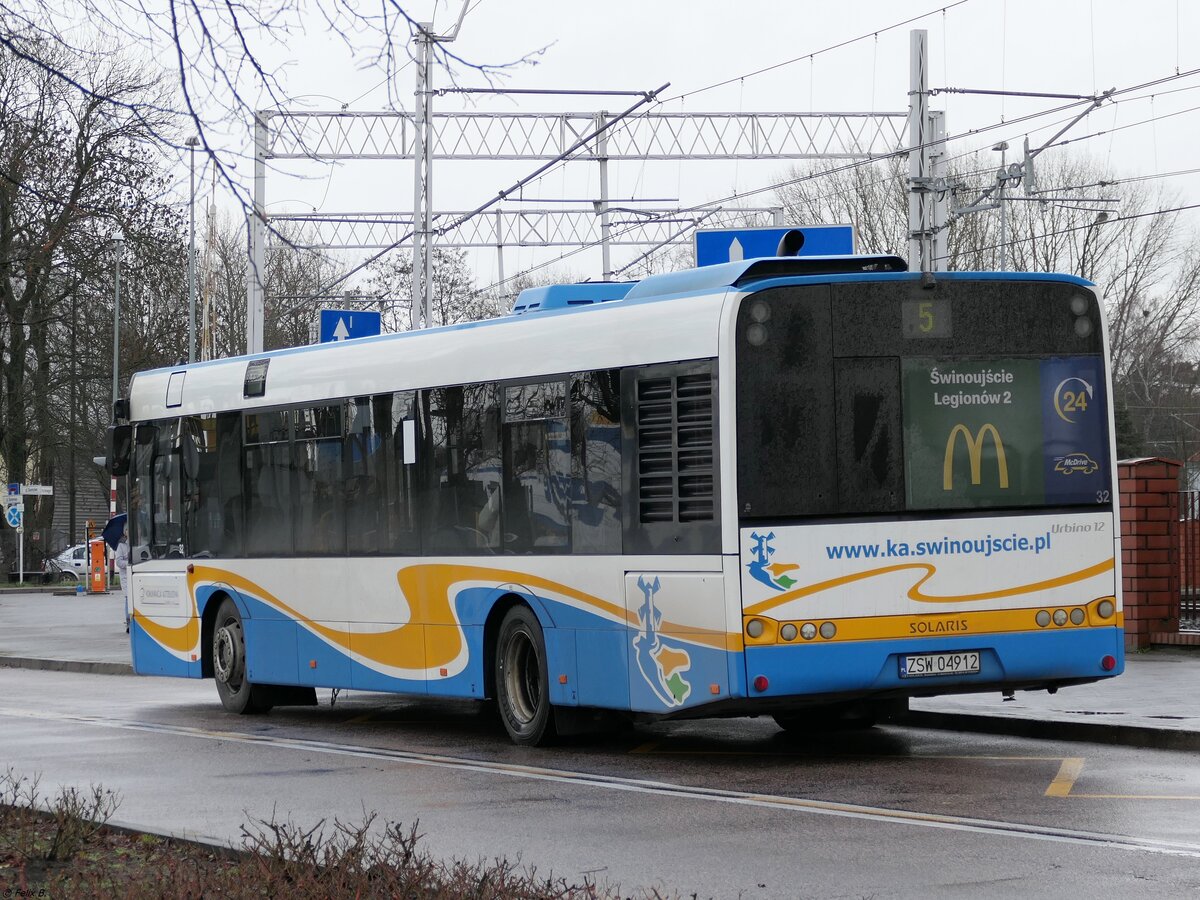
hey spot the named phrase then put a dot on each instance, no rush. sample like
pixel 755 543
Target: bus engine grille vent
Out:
pixel 675 448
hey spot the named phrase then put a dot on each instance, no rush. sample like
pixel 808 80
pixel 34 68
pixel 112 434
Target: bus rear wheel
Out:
pixel 522 686
pixel 237 694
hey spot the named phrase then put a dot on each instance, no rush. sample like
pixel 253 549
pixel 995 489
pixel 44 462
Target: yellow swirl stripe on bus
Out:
pixel 397 647
pixel 915 593
pixel 435 580
pixel 427 590
pixel 181 639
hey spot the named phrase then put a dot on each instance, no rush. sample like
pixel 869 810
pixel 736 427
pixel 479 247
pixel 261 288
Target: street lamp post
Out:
pixel 191 144
pixel 118 243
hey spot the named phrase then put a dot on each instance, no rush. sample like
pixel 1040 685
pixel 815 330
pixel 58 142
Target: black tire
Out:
pixel 823 719
pixel 64 577
pixel 237 694
pixel 522 686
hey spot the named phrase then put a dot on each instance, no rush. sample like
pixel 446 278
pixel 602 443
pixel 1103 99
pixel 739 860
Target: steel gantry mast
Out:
pixel 423 136
pixel 426 136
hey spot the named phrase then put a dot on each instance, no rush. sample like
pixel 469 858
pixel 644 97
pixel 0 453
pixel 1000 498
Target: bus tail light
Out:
pixel 1108 663
pixel 761 683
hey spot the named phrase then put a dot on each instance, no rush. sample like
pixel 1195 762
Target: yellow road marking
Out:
pixel 360 719
pixel 1070 770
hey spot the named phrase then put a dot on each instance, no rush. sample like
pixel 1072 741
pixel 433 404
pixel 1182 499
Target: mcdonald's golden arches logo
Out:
pixel 974 444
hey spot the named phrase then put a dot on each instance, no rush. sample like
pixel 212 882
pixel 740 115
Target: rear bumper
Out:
pixel 859 668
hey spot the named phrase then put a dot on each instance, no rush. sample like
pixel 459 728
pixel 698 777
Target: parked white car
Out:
pixel 70 565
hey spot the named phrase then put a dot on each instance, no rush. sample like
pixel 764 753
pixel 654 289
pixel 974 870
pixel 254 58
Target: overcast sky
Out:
pixel 1065 46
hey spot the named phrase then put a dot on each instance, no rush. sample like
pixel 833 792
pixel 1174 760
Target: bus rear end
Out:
pixel 925 488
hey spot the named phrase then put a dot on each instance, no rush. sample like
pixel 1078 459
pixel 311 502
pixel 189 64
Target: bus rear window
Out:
pixel 885 397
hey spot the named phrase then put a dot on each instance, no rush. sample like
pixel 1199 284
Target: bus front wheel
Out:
pixel 237 694
pixel 522 686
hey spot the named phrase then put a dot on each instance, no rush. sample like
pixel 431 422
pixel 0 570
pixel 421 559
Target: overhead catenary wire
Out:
pixel 875 32
pixel 1110 220
pixel 1112 97
pixel 1116 92
pixel 646 97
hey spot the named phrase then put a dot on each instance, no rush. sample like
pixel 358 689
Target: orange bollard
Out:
pixel 97 565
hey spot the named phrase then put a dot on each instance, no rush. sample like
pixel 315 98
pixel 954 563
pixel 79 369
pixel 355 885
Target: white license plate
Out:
pixel 923 664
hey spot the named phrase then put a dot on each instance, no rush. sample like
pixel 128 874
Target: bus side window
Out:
pixel 595 491
pixel 536 469
pixel 461 473
pixel 362 496
pixel 317 505
pixel 166 482
pixel 267 477
pixel 140 491
pixel 397 480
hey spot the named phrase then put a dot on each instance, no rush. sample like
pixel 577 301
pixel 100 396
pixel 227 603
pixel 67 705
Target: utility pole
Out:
pixel 74 422
pixel 191 144
pixel 118 244
pixel 920 196
pixel 257 274
pixel 602 206
pixel 1001 180
pixel 422 261
pixel 938 245
pixel 422 180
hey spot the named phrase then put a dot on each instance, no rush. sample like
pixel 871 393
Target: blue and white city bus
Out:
pixel 803 487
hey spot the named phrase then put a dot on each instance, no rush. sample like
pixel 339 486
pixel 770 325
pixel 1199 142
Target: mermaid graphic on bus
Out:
pixel 660 665
pixel 773 575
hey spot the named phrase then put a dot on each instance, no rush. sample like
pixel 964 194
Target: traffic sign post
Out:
pixel 721 245
pixel 14 515
pixel 347 324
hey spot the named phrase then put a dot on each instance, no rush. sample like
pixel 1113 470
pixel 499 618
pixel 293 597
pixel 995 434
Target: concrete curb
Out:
pixel 213 845
pixel 1056 729
pixel 66 665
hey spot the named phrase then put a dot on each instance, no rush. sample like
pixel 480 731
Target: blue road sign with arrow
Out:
pixel 722 245
pixel 346 324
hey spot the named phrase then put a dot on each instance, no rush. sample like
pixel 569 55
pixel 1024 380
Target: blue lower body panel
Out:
pixel 865 667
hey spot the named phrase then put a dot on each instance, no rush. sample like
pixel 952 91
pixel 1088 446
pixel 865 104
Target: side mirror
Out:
pixel 120 442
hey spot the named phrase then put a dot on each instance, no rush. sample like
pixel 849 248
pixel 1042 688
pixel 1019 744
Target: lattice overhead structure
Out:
pixel 541 136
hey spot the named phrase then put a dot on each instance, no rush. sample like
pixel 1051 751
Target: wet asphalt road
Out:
pixel 720 808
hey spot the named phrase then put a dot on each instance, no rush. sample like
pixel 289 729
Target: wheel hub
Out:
pixel 227 657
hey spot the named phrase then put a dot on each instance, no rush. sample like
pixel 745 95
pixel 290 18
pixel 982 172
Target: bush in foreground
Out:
pixel 64 848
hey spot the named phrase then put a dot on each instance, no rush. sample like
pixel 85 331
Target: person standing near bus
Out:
pixel 123 568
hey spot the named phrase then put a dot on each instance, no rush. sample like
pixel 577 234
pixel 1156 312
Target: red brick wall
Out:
pixel 1149 548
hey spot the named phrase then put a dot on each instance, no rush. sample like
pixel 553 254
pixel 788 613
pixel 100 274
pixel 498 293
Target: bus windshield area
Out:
pixel 887 397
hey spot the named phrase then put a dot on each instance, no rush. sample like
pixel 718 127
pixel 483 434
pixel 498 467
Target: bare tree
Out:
pixel 1146 265
pixel 453 295
pixel 216 53
pixel 294 277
